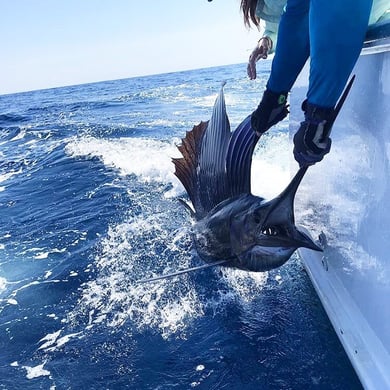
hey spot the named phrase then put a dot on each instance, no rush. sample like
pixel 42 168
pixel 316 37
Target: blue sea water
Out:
pixel 89 206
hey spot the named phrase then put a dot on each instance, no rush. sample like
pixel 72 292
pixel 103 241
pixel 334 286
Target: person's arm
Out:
pixel 271 32
pixel 270 12
pixel 265 45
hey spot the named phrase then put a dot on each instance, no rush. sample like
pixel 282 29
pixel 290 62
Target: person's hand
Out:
pixel 260 52
pixel 272 109
pixel 311 143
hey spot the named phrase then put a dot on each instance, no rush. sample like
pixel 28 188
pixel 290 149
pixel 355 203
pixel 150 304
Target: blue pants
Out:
pixel 331 32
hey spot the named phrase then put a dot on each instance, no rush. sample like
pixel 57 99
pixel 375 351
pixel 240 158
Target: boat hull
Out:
pixel 345 199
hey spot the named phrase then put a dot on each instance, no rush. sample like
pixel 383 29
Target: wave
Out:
pixel 147 246
pixel 150 160
pixel 10 119
pixel 157 242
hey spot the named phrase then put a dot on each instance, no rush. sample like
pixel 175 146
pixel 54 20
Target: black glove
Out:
pixel 271 110
pixel 312 141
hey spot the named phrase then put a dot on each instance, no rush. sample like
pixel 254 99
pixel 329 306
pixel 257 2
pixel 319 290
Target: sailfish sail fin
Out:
pixel 216 164
pixel 202 169
pixel 212 159
pixel 186 166
pixel 239 158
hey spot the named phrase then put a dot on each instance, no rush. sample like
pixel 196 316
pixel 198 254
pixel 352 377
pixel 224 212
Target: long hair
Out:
pixel 248 8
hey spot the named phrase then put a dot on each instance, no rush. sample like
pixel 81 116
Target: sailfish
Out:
pixel 232 227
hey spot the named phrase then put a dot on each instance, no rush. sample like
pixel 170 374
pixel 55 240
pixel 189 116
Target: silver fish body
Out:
pixel 245 230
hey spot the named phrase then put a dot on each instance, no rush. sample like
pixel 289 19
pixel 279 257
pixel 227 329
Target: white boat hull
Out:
pixel 346 200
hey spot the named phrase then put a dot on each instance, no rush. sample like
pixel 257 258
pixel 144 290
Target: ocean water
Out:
pixel 89 206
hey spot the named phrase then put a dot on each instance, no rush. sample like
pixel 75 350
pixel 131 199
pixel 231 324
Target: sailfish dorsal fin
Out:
pixel 216 164
pixel 186 167
pixel 239 158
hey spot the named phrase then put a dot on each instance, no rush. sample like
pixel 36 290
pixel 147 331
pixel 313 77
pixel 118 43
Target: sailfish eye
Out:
pixel 270 231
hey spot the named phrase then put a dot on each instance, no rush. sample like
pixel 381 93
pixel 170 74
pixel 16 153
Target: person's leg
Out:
pixel 337 30
pixel 292 51
pixel 292 47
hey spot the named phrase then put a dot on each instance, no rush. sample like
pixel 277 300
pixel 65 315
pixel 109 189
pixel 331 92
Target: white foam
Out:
pixel 37 371
pixel 65 339
pixel 45 255
pixel 278 278
pixel 113 298
pixel 145 247
pixel 271 166
pixel 8 175
pixel 3 283
pixel 344 202
pixel 53 341
pixel 244 284
pixel 33 283
pixel 148 159
pixel 162 123
pixel 49 339
pixel 205 101
pixel 19 136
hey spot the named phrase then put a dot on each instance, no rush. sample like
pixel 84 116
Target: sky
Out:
pixel 52 43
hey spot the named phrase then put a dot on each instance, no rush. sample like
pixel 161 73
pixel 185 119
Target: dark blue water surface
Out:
pixel 89 206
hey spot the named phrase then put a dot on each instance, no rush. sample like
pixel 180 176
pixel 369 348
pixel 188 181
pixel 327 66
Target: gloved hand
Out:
pixel 272 109
pixel 259 52
pixel 312 141
pixel 310 145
